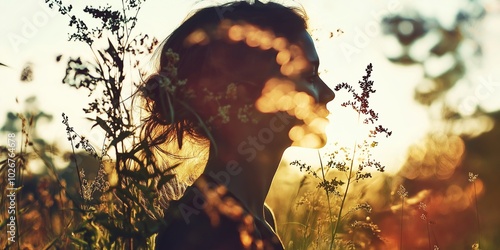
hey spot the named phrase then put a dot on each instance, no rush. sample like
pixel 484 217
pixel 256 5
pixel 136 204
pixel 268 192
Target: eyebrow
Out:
pixel 315 65
pixel 312 64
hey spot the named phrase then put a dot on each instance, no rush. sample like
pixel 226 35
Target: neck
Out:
pixel 248 177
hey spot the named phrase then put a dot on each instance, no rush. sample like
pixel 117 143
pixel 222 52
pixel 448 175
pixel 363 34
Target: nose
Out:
pixel 325 93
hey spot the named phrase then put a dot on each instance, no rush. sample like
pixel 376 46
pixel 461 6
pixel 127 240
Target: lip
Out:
pixel 324 112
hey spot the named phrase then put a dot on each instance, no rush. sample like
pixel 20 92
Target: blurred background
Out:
pixel 437 77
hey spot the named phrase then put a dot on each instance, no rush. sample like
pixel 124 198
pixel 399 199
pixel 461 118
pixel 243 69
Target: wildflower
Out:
pixel 364 206
pixel 231 92
pixel 244 113
pixel 172 56
pixel 422 206
pixel 472 177
pixel 223 112
pixel 361 101
pixel 475 246
pixel 166 83
pixel 402 192
pixel 423 217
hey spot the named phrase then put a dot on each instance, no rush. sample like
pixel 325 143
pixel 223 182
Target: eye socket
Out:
pixel 312 78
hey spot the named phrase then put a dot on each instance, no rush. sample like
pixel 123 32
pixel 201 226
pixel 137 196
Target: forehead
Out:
pixel 307 45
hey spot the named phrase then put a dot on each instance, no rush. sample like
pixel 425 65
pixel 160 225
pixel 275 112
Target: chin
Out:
pixel 312 141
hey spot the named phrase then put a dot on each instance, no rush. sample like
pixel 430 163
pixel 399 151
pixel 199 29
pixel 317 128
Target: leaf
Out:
pixel 51 243
pixel 78 241
pixel 130 156
pixel 120 138
pixel 99 121
pixel 114 54
pixel 103 56
pixel 172 167
pixel 164 179
pixel 117 231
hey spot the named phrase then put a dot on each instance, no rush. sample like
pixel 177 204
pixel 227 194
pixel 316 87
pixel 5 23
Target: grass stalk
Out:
pixel 328 200
pixel 477 215
pixel 429 235
pixel 347 184
pixel 401 226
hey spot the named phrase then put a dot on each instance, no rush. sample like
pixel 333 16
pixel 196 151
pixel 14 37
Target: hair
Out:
pixel 198 54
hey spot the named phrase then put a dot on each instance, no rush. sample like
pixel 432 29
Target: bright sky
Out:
pixel 31 32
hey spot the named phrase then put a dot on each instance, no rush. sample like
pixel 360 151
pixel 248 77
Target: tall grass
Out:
pixel 115 202
pixel 351 163
pixel 472 179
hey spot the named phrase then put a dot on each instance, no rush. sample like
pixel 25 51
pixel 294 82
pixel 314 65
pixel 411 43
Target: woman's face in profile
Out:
pixel 286 86
pixel 300 92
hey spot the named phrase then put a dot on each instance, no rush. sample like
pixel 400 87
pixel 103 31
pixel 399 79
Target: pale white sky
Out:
pixel 31 32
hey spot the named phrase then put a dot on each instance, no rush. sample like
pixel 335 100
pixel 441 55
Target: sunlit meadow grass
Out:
pixel 332 218
pixel 116 206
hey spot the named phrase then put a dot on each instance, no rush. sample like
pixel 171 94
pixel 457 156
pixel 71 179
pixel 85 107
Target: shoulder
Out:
pixel 192 222
pixel 209 217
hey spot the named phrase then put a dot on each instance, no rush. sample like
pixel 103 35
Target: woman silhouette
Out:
pixel 243 78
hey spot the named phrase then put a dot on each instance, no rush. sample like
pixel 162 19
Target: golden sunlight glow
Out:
pixel 109 167
pixel 283 57
pixel 318 124
pixel 274 90
pixel 310 140
pixel 280 43
pixel 253 36
pixel 280 95
pixel 287 69
pixel 292 60
pixel 266 40
pixel 250 34
pixel 429 155
pixel 439 155
pixel 297 133
pixel 197 37
pixel 236 33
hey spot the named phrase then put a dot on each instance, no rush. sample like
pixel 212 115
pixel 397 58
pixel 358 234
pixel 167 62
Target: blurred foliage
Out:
pixel 445 51
pixel 461 142
pixel 85 200
pixel 127 213
pixel 107 196
pixel 42 206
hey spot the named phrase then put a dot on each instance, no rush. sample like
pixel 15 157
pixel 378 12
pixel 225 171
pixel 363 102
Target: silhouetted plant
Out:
pixel 351 161
pixel 126 213
pixel 425 217
pixel 43 206
pixel 472 179
pixel 402 194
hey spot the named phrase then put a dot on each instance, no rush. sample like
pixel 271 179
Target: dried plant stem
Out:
pixel 401 227
pixel 73 158
pixel 77 169
pixel 429 235
pixel 328 200
pixel 434 237
pixel 477 215
pixel 347 184
pixel 306 230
